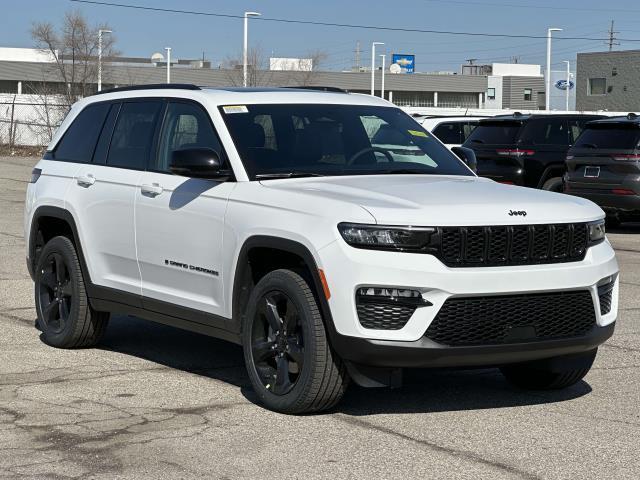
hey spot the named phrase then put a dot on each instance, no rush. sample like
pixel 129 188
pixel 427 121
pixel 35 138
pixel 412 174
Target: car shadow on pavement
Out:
pixel 628 227
pixel 424 391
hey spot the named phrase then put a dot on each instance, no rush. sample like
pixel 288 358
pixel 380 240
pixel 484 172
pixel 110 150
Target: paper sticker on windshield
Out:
pixel 235 109
pixel 417 133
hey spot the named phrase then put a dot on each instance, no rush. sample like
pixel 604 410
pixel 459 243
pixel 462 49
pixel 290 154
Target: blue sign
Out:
pixel 562 85
pixel 406 63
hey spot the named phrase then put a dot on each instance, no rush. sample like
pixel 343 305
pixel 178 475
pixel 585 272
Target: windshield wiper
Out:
pixel 268 176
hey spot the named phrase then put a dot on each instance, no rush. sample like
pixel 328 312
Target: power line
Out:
pixel 341 25
pixel 537 7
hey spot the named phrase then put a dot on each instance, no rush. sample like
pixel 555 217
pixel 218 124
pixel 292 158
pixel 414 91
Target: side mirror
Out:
pixel 468 156
pixel 198 163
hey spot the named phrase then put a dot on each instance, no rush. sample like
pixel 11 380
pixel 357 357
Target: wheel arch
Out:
pixel 243 281
pixel 551 171
pixel 52 221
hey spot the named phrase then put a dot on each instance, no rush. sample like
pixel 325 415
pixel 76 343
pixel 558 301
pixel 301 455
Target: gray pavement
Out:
pixel 155 402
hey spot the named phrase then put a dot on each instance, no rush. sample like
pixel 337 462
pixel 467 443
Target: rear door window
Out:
pixel 548 131
pixel 133 134
pixel 610 137
pixel 449 132
pixel 79 141
pixel 495 133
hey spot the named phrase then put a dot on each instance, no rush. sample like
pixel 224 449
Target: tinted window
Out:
pixel 495 133
pixel 467 129
pixel 335 140
pixel 100 154
pixel 449 132
pixel 551 131
pixel 185 126
pixel 609 137
pixel 133 134
pixel 79 140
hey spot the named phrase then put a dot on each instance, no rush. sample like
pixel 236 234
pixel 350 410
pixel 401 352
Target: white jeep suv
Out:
pixel 271 218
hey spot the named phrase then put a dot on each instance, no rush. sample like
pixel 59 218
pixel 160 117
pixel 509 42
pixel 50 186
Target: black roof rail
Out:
pixel 152 86
pixel 320 88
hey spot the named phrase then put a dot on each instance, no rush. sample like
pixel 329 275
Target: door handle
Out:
pixel 86 180
pixel 152 190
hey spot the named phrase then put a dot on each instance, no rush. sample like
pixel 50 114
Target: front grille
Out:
pixel 503 319
pixel 383 315
pixel 512 245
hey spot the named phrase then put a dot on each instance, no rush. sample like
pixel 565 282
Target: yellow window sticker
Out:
pixel 235 109
pixel 417 133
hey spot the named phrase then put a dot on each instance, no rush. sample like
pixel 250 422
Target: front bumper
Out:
pixel 424 353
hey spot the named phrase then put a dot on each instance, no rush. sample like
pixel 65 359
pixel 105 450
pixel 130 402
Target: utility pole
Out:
pixel 612 37
pixel 547 93
pixel 358 56
pixel 100 33
pixel 566 109
pixel 245 45
pixel 373 65
pixel 382 84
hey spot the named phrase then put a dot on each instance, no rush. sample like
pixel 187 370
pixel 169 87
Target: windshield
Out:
pixel 296 140
pixel 495 133
pixel 609 137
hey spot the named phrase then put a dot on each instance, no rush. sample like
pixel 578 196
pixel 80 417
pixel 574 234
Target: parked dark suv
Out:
pixel 527 150
pixel 604 166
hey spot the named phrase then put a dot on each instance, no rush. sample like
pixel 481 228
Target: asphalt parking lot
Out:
pixel 155 402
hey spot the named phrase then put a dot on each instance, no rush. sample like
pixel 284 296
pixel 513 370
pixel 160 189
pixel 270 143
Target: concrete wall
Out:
pixel 622 73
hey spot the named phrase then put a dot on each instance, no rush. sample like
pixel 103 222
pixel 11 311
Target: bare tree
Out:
pixel 308 77
pixel 74 49
pixel 258 73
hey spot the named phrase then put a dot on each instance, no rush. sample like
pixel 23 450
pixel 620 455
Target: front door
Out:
pixel 180 220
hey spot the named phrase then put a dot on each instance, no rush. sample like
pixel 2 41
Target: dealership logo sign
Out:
pixel 562 85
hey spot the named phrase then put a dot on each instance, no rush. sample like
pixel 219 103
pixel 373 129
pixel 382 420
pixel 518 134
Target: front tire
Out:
pixel 289 361
pixel 550 374
pixel 64 315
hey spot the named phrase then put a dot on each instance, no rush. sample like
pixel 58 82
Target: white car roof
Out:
pixel 438 120
pixel 244 96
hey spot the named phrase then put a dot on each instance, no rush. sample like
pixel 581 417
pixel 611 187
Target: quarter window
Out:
pixel 185 126
pixel 597 86
pixel 79 140
pixel 133 134
pixel 449 133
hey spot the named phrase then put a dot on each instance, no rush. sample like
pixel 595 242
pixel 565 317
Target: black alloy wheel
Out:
pixel 277 343
pixel 55 293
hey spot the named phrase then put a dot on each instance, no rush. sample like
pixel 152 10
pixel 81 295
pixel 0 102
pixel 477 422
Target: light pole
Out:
pixel 568 84
pixel 373 65
pixel 168 49
pixel 547 94
pixel 100 33
pixel 382 85
pixel 244 48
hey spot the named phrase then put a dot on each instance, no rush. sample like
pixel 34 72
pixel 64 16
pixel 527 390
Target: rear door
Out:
pixel 492 141
pixel 104 194
pixel 180 220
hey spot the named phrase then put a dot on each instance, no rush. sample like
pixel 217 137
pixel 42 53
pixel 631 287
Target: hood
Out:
pixel 443 200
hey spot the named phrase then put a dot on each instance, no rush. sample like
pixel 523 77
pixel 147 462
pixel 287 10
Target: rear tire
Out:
pixel 290 363
pixel 64 315
pixel 550 374
pixel 553 185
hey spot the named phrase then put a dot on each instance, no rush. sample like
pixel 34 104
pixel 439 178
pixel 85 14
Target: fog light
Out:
pixel 403 296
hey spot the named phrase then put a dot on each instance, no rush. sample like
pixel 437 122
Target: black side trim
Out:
pixel 290 246
pixel 116 301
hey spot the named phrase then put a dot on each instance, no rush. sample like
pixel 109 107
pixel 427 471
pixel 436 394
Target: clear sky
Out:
pixel 140 33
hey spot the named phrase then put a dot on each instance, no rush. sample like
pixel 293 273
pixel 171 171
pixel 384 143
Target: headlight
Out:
pixel 596 232
pixel 385 237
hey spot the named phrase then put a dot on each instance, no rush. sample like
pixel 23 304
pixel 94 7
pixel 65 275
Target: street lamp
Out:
pixel 373 64
pixel 547 95
pixel 568 84
pixel 382 85
pixel 100 33
pixel 168 49
pixel 244 49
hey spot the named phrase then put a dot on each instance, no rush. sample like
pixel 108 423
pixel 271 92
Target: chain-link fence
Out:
pixel 29 124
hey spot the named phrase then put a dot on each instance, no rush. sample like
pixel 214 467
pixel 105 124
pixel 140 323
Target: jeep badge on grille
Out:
pixel 517 213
